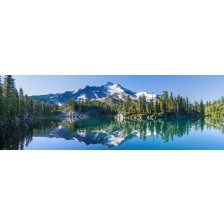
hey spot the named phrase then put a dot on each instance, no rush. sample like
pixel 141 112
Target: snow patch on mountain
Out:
pixel 95 94
pixel 115 89
pixel 147 95
pixel 82 97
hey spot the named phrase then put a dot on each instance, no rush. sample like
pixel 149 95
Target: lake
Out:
pixel 110 134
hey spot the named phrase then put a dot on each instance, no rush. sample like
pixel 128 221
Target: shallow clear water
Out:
pixel 109 134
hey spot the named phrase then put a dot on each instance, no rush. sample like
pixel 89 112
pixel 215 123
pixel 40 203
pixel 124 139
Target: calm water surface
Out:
pixel 109 134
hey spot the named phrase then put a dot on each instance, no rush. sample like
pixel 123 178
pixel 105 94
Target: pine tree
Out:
pixel 196 107
pixel 16 102
pixel 10 97
pixel 2 112
pixel 201 107
pixel 42 108
pixel 128 104
pixel 156 105
pixel 143 103
pixel 166 99
pixel 180 105
pixel 187 105
pixel 150 107
pixel 71 105
pixel 139 106
pixel 171 104
pixel 26 100
pixel 164 102
pixel 124 108
pixel 162 105
pixel 133 109
pixel 48 108
pixel 22 107
pixel 29 107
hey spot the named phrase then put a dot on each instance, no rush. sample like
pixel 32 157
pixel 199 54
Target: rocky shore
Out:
pixel 68 114
pixel 121 116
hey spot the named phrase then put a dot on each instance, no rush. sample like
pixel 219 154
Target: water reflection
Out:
pixel 107 132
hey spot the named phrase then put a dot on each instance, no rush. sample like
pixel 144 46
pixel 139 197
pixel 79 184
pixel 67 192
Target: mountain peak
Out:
pixel 109 84
pixel 102 93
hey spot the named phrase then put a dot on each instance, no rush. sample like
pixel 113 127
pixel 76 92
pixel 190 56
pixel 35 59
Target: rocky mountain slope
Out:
pixel 108 93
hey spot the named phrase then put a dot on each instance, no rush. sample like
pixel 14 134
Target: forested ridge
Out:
pixel 165 105
pixel 169 105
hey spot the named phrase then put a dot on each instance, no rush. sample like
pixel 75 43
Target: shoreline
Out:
pixel 121 117
pixel 117 117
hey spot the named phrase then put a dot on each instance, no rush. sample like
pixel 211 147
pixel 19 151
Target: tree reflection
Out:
pixel 108 132
pixel 17 136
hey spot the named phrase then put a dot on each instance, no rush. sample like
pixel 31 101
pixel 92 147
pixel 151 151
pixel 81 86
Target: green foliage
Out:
pixel 17 106
pixel 127 106
pixel 215 108
pixel 166 104
pixel 143 104
pixel 139 104
pixel 22 104
pixel 10 96
pixel 2 104
pixel 92 107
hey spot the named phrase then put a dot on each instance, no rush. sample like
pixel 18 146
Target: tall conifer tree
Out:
pixel 22 106
pixel 11 97
pixel 2 112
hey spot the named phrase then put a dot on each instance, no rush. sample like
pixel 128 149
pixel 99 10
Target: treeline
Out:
pixel 92 107
pixel 215 108
pixel 15 105
pixel 166 104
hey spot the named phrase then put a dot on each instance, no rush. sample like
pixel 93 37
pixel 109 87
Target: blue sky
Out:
pixel 195 87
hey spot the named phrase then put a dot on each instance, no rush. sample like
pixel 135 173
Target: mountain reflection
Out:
pixel 108 132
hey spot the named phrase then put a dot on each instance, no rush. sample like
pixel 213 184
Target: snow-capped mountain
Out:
pixel 102 93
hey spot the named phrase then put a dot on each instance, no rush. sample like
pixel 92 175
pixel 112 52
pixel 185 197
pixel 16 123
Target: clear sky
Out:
pixel 195 87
